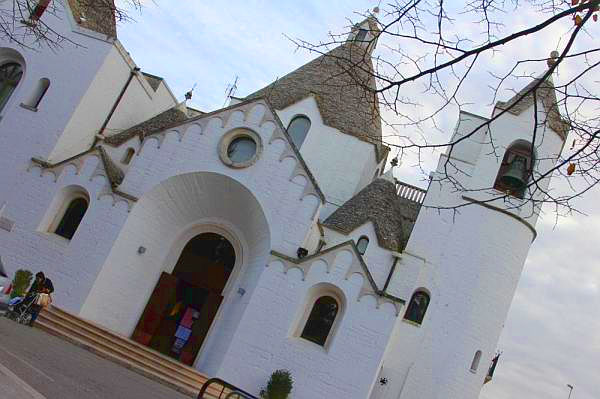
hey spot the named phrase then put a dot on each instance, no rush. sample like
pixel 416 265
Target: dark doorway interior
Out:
pixel 184 303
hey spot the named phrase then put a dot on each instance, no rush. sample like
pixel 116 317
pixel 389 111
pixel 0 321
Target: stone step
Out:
pixel 155 376
pixel 125 352
pixel 93 344
pixel 120 344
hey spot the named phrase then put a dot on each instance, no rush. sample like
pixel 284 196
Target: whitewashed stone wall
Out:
pixel 341 163
pixel 25 133
pixel 471 263
pixel 268 336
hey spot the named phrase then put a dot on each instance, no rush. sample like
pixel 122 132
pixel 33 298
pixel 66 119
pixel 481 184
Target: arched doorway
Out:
pixel 184 303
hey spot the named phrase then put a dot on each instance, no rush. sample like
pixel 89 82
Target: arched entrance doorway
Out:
pixel 184 303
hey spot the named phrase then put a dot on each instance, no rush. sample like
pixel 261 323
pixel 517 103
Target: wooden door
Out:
pixel 200 328
pixel 163 297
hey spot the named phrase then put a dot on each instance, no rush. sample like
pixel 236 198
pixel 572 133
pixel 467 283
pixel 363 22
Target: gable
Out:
pixel 393 216
pixel 342 83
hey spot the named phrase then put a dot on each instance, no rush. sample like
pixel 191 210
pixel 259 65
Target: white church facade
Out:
pixel 263 235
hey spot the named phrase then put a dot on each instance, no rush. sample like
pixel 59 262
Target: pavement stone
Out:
pixel 57 369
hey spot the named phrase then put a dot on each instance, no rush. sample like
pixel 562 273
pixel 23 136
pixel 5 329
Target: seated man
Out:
pixel 41 285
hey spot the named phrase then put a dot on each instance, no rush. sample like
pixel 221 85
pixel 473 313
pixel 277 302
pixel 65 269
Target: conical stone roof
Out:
pixel 392 215
pixel 343 86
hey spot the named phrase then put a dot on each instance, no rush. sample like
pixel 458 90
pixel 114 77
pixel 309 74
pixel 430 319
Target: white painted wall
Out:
pixel 268 336
pixel 472 264
pixel 70 68
pixel 340 162
pixel 139 103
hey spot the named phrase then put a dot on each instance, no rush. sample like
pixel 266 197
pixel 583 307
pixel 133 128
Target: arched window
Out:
pixel 362 244
pixel 128 156
pixel 515 169
pixel 40 90
pixel 10 76
pixel 417 307
pixel 71 218
pixel 321 320
pixel 298 128
pixel 475 362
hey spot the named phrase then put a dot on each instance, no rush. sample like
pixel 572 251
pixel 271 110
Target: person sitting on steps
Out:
pixel 41 285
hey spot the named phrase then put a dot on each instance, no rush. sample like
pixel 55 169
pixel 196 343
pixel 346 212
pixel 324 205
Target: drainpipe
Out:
pixel 389 277
pixel 134 71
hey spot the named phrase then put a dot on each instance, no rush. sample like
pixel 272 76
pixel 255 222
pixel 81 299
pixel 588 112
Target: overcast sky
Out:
pixel 551 336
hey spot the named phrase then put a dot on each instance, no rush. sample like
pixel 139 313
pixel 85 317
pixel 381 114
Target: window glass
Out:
pixel 297 129
pixel 10 75
pixel 72 218
pixel 320 321
pixel 417 307
pixel 362 244
pixel 241 149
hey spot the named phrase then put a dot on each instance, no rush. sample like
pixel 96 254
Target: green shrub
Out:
pixel 279 386
pixel 21 283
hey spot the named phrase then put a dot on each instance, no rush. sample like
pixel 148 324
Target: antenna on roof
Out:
pixel 230 90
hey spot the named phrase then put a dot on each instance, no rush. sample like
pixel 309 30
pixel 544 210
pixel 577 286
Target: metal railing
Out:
pixel 410 192
pixel 222 390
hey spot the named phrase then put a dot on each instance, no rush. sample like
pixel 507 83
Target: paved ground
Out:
pixel 35 365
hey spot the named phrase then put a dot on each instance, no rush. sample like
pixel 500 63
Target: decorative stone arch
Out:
pixel 314 293
pixel 8 56
pixel 157 229
pixel 62 200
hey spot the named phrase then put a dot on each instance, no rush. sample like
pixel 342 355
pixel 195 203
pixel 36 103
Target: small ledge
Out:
pixel 29 107
pixel 53 237
pixel 412 323
pixel 473 371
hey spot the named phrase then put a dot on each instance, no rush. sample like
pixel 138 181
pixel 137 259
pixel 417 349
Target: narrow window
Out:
pixel 38 10
pixel 417 307
pixel 361 35
pixel 320 321
pixel 128 156
pixel 362 244
pixel 39 93
pixel 515 170
pixel 72 218
pixel 298 128
pixel 10 76
pixel 475 362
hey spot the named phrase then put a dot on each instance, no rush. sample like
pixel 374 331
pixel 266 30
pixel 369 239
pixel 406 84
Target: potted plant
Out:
pixel 279 385
pixel 21 283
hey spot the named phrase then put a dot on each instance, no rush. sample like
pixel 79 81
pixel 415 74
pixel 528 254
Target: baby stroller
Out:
pixel 19 309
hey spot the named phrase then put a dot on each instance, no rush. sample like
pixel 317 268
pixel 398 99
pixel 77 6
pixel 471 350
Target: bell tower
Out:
pixel 473 258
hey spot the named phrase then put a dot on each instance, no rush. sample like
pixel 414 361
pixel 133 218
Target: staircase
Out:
pixel 126 352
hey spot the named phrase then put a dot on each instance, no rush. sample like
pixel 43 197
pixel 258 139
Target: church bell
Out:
pixel 514 176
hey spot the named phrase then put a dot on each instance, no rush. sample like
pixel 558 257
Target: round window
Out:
pixel 241 149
